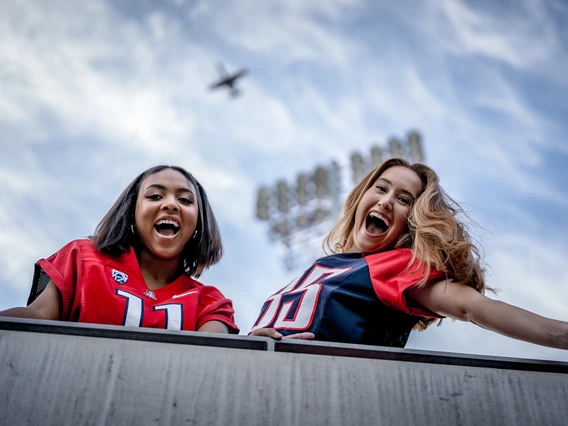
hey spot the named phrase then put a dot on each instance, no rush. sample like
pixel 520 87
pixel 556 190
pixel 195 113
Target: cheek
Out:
pixel 402 219
pixel 192 215
pixel 138 213
pixel 143 214
pixel 359 213
pixel 405 212
pixel 137 216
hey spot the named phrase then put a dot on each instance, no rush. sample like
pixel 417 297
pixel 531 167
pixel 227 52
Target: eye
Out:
pixel 381 188
pixel 404 200
pixel 153 197
pixel 185 201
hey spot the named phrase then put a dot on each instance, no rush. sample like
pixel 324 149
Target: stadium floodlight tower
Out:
pixel 301 213
pixel 297 213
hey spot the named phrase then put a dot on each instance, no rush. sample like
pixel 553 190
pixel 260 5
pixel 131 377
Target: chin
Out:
pixel 167 255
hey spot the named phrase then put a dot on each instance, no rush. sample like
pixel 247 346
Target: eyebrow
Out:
pixel 402 190
pixel 163 188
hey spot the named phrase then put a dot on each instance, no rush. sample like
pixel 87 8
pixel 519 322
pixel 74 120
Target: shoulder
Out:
pixel 83 251
pixel 89 252
pixel 401 261
pixel 389 263
pixel 208 292
pixel 395 256
pixel 339 260
pixel 73 249
pixel 82 245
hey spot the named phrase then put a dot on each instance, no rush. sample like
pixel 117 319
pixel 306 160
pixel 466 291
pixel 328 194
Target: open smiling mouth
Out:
pixel 167 228
pixel 376 224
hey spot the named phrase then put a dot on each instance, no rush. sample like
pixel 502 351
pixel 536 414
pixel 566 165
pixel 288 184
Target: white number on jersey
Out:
pixel 174 315
pixel 294 307
pixel 135 310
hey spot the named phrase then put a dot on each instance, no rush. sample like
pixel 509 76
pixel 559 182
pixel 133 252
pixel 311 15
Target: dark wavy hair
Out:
pixel 113 234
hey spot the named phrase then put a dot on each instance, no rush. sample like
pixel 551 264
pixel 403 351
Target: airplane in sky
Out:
pixel 228 80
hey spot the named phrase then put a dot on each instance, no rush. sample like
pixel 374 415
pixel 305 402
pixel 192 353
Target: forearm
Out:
pixel 47 306
pixel 518 323
pixel 453 300
pixel 22 312
pixel 214 327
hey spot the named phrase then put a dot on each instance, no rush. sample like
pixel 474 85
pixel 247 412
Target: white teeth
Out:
pixel 167 222
pixel 380 216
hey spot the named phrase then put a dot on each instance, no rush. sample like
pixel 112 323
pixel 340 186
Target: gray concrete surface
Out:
pixel 65 376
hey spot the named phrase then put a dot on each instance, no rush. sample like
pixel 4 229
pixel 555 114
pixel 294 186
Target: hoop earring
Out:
pixel 194 235
pixel 132 228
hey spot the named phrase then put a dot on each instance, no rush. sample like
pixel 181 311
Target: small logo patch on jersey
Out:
pixel 149 293
pixel 119 277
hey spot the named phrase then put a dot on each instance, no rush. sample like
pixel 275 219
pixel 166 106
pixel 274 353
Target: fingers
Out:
pixel 266 332
pixel 301 336
pixel 270 332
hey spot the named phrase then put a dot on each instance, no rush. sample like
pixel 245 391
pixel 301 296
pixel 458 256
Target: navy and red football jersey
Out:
pixel 351 298
pixel 96 288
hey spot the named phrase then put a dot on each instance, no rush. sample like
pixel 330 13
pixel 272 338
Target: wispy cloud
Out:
pixel 295 35
pixel 526 36
pixel 92 95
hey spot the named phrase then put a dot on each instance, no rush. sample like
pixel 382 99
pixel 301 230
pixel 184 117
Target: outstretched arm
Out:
pixel 47 306
pixel 458 301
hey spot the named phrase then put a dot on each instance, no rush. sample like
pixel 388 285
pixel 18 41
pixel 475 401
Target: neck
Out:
pixel 349 247
pixel 158 272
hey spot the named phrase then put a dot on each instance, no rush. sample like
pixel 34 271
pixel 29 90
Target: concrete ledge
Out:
pixel 55 373
pixel 289 346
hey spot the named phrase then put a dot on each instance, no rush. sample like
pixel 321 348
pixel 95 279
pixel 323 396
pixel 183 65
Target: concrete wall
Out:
pixel 55 373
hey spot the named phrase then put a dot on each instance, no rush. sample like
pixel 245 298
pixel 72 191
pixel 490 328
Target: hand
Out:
pixel 270 332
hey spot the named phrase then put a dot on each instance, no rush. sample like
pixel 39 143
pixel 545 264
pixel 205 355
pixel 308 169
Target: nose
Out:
pixel 386 201
pixel 170 203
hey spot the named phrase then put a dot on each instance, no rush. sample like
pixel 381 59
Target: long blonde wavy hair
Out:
pixel 435 233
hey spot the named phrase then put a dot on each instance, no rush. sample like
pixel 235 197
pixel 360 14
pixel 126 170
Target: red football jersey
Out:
pixel 96 288
pixel 392 277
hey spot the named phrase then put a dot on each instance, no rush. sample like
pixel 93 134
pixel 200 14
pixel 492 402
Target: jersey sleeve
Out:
pixel 64 268
pixel 392 277
pixel 213 306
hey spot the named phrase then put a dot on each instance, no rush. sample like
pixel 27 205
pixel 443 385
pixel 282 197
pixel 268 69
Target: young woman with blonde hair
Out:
pixel 401 258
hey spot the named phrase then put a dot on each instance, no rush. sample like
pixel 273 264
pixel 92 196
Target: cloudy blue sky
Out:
pixel 92 93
